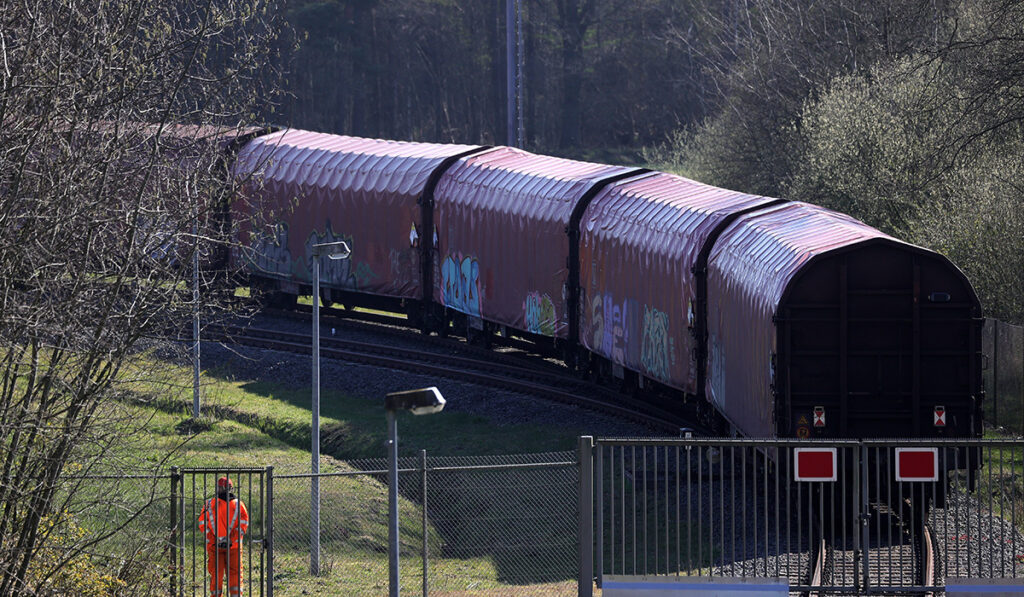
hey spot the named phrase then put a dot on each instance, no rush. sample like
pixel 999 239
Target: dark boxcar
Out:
pixel 820 325
pixel 322 188
pixel 501 219
pixel 641 242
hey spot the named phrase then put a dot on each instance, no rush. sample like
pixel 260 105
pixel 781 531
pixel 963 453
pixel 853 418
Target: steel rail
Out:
pixel 927 559
pixel 816 576
pixel 465 369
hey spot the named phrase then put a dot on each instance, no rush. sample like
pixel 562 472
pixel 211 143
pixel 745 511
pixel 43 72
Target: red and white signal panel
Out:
pixel 917 464
pixel 814 464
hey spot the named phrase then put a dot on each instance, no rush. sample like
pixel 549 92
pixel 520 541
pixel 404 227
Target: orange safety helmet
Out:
pixel 224 483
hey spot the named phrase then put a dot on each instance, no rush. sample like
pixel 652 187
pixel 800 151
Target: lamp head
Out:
pixel 336 250
pixel 424 401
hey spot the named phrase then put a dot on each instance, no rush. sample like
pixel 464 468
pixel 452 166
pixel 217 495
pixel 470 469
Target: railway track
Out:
pixel 900 559
pixel 462 363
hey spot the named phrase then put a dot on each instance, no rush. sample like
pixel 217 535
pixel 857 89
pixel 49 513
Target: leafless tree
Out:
pixel 114 120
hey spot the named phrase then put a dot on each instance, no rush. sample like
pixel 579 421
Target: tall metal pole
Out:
pixel 314 530
pixel 426 537
pixel 520 131
pixel 510 57
pixel 392 504
pixel 195 315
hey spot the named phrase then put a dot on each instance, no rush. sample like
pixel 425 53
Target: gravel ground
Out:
pixel 975 542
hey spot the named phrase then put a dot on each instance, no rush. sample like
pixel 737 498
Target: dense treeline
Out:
pixel 904 113
pixel 597 72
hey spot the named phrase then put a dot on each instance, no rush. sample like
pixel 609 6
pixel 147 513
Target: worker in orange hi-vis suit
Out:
pixel 224 520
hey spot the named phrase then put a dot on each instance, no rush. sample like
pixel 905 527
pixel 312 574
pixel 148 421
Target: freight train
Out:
pixel 785 319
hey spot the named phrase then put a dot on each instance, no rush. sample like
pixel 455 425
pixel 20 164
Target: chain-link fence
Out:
pixel 105 535
pixel 495 525
pixel 1003 345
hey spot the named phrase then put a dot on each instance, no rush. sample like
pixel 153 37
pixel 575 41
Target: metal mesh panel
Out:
pixel 512 523
pixel 353 531
pixel 492 526
pixel 1003 346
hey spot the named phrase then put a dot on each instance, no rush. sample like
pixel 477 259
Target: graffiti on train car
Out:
pixel 658 351
pixel 716 364
pixel 539 313
pixel 334 272
pixel 610 323
pixel 404 267
pixel 460 284
pixel 269 252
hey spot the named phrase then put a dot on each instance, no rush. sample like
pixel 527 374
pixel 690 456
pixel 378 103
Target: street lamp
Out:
pixel 335 250
pixel 425 401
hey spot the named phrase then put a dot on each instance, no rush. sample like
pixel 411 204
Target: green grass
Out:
pixel 353 516
pixel 256 424
pixel 305 299
pixel 354 427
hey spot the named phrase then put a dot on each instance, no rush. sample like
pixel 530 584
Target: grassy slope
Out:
pixel 260 424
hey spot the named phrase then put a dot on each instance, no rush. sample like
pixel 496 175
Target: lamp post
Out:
pixel 425 401
pixel 335 250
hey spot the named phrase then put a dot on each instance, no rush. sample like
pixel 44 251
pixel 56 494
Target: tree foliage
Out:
pixel 111 177
pixel 905 115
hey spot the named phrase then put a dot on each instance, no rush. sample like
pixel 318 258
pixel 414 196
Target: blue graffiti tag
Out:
pixel 460 284
pixel 539 313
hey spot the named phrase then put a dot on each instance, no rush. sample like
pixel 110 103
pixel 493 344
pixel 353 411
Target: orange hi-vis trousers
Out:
pixel 221 562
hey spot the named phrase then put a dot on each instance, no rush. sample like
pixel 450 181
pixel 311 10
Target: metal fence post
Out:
pixel 859 512
pixel 268 532
pixel 174 529
pixel 599 488
pixel 865 509
pixel 423 484
pixel 586 512
pixel 995 372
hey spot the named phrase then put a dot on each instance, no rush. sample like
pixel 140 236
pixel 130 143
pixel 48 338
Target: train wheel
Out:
pixel 324 297
pixel 444 325
pixel 268 296
pixel 414 314
pixel 475 337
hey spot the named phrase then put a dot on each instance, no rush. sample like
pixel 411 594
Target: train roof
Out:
pixel 763 252
pixel 521 181
pixel 341 162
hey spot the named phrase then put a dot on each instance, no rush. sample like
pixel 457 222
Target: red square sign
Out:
pixel 917 464
pixel 814 464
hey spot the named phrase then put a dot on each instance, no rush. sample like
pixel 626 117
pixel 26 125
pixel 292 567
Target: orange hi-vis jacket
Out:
pixel 224 520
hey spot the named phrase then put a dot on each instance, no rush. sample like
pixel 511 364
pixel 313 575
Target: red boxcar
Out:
pixel 321 188
pixel 502 246
pixel 641 242
pixel 820 325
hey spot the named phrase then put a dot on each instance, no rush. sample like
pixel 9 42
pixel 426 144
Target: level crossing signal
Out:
pixel 814 464
pixel 819 464
pixel 917 464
